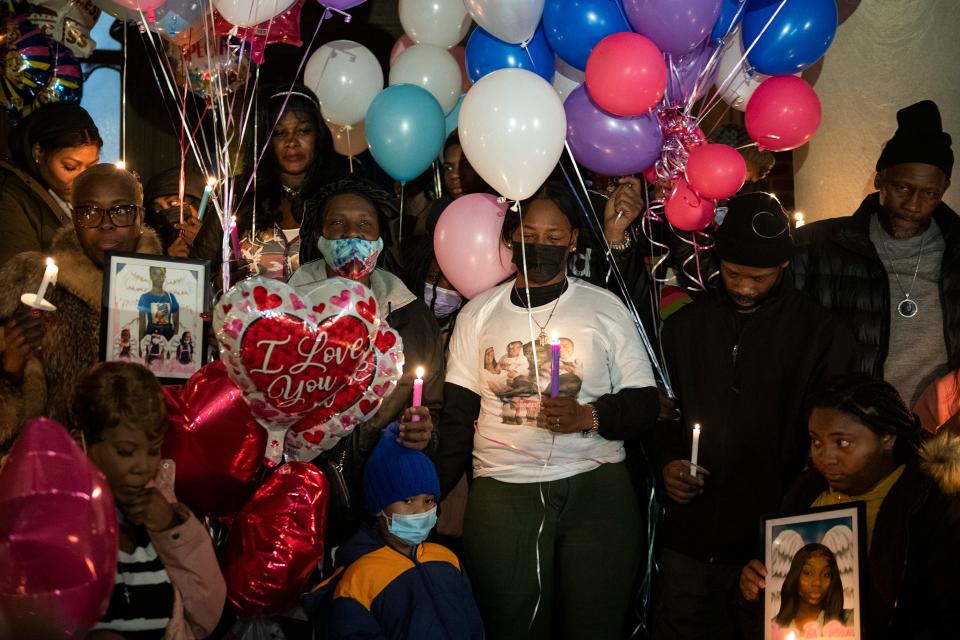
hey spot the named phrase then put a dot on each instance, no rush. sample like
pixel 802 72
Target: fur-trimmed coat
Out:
pixel 71 334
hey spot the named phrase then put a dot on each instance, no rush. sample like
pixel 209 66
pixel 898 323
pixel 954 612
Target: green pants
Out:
pixel 589 552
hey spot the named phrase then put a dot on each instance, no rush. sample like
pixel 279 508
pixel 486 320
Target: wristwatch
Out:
pixel 586 433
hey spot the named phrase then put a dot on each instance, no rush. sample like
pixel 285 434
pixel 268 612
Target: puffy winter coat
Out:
pixel 29 214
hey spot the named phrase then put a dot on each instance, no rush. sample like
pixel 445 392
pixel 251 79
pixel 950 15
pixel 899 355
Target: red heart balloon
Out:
pixel 342 399
pixel 276 541
pixel 216 443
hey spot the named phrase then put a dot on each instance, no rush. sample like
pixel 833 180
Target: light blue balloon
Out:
pixel 486 54
pixel 405 130
pixel 454 115
pixel 574 27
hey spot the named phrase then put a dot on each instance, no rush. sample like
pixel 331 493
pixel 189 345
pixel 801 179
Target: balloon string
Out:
pixel 123 99
pixel 349 148
pixel 400 230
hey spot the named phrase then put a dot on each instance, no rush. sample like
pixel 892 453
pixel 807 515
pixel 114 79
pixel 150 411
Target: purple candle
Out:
pixel 554 365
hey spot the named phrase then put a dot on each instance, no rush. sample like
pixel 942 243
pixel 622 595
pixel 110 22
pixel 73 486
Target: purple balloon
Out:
pixel 610 145
pixel 341 5
pixel 684 71
pixel 676 26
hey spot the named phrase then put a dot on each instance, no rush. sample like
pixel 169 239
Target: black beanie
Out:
pixel 755 232
pixel 919 138
pixel 167 183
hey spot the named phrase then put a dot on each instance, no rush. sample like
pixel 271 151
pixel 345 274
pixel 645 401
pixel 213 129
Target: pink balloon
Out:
pixel 140 5
pixel 650 174
pixel 686 210
pixel 467 244
pixel 58 533
pixel 783 113
pixel 626 74
pixel 399 47
pixel 716 171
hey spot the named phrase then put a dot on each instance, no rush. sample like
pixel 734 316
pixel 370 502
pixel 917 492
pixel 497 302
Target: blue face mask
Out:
pixel 444 303
pixel 352 258
pixel 413 528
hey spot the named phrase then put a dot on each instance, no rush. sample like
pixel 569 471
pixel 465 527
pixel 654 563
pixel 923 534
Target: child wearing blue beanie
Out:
pixel 388 582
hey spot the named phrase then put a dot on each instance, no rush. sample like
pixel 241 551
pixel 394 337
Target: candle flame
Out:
pixel 792 635
pixel 211 182
pixel 554 337
pixel 419 373
pixel 696 427
pixel 120 164
pixel 50 261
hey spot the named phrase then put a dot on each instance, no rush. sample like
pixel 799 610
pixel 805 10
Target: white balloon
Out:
pixel 432 68
pixel 512 129
pixel 440 22
pixel 744 80
pixel 244 13
pixel 512 21
pixel 566 79
pixel 346 77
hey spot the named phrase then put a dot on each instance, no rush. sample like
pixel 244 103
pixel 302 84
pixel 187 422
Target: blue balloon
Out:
pixel 574 27
pixel 405 130
pixel 798 37
pixel 486 54
pixel 731 13
pixel 453 117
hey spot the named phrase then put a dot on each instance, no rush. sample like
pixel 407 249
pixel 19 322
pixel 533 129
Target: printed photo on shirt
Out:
pixel 813 574
pixel 152 313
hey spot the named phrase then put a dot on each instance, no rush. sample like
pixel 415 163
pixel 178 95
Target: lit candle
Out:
pixel 418 392
pixel 120 164
pixel 696 450
pixel 792 635
pixel 234 238
pixel 554 365
pixel 49 277
pixel 205 199
pixel 798 219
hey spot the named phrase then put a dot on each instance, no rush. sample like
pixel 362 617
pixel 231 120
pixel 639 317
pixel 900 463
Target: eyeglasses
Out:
pixel 121 215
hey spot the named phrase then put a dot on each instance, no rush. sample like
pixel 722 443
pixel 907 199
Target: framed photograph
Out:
pixel 152 308
pixel 815 564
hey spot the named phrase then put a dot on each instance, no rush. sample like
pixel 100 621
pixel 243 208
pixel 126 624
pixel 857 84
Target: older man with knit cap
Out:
pixel 892 269
pixel 742 360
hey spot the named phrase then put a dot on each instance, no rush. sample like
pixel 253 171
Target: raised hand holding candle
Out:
pixel 696 450
pixel 554 365
pixel 418 392
pixel 36 300
pixel 205 199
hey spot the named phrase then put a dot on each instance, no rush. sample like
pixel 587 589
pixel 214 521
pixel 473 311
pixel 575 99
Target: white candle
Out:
pixel 696 450
pixel 418 392
pixel 49 277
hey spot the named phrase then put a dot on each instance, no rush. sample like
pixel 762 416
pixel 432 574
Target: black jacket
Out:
pixel 746 387
pixel 838 266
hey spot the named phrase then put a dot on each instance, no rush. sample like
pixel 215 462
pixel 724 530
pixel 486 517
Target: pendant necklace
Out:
pixel 908 306
pixel 542 338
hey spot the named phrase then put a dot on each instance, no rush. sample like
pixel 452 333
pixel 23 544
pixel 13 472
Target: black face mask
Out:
pixel 544 261
pixel 172 214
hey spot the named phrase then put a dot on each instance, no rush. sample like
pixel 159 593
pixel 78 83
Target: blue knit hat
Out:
pixel 393 473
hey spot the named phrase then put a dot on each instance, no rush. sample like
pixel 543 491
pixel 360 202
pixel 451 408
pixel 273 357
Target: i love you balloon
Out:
pixel 322 358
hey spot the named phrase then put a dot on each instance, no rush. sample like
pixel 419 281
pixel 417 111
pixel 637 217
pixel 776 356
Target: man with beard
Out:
pixel 742 359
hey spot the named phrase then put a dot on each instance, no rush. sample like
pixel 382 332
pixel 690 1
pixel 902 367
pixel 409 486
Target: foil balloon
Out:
pixel 685 74
pixel 276 541
pixel 27 62
pixel 216 443
pixel 66 84
pixel 281 29
pixel 171 19
pixel 211 71
pixel 68 22
pixel 58 533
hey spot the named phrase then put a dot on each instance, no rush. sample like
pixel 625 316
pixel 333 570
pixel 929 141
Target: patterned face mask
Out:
pixel 352 258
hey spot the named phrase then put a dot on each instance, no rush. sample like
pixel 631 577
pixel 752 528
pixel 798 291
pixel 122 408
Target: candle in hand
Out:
pixel 554 365
pixel 418 392
pixel 205 199
pixel 696 450
pixel 49 277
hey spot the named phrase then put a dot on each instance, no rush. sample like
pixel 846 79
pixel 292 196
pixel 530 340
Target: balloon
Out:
pixel 512 130
pixel 67 22
pixel 486 54
pixel 440 22
pixel 609 145
pixel 467 244
pixel 346 78
pixel 687 211
pixel 731 13
pixel 432 68
pixel 216 443
pixel 175 17
pixel 284 28
pixel 783 113
pixel 650 175
pixel 684 74
pixel 27 62
pixel 715 171
pixel 211 73
pixel 276 541
pixel 512 21
pixel 675 26
pixel 349 140
pixel 402 44
pixel 742 82
pixel 66 84
pixel 797 37
pixel 566 79
pixel 247 13
pixel 574 27
pixel 405 130
pixel 626 74
pixel 460 55
pixel 133 5
pixel 58 533
pixel 452 119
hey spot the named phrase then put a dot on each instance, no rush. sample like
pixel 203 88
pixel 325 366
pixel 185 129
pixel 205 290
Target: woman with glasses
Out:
pixel 50 148
pixel 42 353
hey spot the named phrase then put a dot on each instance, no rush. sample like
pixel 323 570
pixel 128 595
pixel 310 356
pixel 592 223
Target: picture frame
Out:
pixel 152 310
pixel 805 554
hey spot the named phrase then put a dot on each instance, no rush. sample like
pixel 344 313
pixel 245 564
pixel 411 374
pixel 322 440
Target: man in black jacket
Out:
pixel 742 360
pixel 889 273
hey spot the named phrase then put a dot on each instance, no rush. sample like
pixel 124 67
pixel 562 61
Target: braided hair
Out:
pixel 875 404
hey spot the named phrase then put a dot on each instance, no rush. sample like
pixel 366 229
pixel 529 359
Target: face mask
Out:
pixel 544 261
pixel 352 258
pixel 172 214
pixel 444 303
pixel 413 528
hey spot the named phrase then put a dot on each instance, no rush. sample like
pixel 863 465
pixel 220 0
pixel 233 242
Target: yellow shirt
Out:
pixel 874 498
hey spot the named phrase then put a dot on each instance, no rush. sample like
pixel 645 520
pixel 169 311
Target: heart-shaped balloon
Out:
pixel 216 443
pixel 276 540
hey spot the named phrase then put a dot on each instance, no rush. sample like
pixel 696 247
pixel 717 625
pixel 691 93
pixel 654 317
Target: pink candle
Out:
pixel 418 392
pixel 554 365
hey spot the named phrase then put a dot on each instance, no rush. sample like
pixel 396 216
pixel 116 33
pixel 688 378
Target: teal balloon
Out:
pixel 454 116
pixel 405 130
